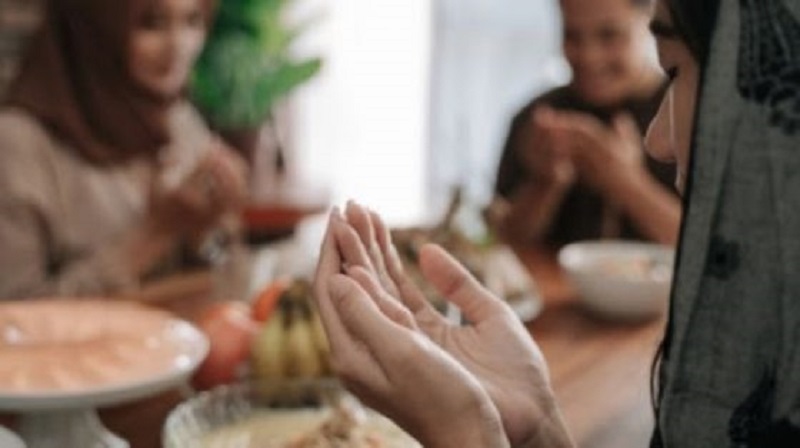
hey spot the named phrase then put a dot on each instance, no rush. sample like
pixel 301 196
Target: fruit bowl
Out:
pixel 295 414
pixel 620 280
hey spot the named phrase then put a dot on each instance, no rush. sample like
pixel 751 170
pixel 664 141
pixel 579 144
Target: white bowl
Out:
pixel 10 440
pixel 620 280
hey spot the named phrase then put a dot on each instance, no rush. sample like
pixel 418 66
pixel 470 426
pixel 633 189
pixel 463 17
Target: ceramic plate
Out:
pixel 62 353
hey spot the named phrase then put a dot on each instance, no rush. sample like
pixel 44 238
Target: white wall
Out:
pixel 361 126
pixel 416 95
pixel 490 58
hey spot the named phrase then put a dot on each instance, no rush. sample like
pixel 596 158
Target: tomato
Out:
pixel 266 301
pixel 230 331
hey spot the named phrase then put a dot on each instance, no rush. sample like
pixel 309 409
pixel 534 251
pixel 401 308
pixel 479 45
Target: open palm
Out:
pixel 493 345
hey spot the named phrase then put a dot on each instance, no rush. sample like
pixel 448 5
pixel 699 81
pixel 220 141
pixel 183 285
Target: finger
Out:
pixel 353 355
pixel 386 250
pixel 382 234
pixel 328 265
pixel 390 306
pixel 350 245
pixel 361 219
pixel 365 322
pixel 456 284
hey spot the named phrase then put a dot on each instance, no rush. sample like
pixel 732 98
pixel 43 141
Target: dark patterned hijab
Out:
pixel 75 80
pixel 738 270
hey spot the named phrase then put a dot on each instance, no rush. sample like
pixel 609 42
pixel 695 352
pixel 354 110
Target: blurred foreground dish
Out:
pixel 62 350
pixel 290 414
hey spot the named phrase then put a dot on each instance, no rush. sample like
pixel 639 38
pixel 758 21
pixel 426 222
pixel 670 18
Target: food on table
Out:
pixel 55 346
pixel 409 241
pixel 311 428
pixel 494 265
pixel 291 343
pixel 266 300
pixel 230 331
pixel 637 267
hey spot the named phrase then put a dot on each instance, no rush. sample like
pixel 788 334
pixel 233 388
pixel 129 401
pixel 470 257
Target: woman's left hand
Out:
pixel 383 359
pixel 494 347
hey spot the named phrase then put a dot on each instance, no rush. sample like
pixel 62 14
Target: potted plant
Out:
pixel 246 67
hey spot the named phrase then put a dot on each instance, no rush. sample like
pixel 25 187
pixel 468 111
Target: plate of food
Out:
pixel 292 414
pixel 494 264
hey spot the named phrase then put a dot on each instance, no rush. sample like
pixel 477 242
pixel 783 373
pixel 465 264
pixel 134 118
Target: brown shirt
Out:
pixel 61 217
pixel 584 214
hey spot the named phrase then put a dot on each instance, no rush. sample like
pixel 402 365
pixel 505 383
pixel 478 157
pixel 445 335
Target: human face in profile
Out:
pixel 670 133
pixel 166 38
pixel 606 43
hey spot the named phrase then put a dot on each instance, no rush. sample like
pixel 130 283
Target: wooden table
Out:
pixel 600 370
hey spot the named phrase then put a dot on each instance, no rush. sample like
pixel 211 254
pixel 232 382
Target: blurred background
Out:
pixel 412 99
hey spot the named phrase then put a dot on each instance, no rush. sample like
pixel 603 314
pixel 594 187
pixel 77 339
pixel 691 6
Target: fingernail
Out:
pixel 336 214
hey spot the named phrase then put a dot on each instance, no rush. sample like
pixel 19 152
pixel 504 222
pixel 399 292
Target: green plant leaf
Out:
pixel 236 82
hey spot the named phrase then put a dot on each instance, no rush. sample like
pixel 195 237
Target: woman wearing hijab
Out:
pixel 106 171
pixel 573 166
pixel 730 364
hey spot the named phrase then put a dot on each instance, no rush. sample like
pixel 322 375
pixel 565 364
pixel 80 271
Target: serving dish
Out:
pixel 61 358
pixel 296 414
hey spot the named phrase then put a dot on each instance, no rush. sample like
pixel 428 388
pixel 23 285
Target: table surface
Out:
pixel 600 370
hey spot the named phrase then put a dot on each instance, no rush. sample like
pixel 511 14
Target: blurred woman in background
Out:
pixel 573 166
pixel 107 174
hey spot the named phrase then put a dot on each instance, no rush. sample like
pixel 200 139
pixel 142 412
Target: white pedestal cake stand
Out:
pixel 53 419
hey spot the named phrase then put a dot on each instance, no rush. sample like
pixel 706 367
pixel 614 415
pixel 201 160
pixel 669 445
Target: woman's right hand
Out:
pixel 216 186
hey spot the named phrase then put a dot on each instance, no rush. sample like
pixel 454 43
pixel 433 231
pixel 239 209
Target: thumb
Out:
pixel 455 283
pixel 359 314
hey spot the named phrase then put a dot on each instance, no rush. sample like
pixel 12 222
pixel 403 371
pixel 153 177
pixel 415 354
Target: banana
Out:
pixel 292 343
pixel 303 361
pixel 269 349
pixel 320 341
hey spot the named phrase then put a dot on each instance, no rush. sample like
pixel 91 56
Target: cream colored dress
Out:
pixel 61 218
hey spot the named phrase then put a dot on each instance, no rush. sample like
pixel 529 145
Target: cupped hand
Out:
pixel 384 360
pixel 494 346
pixel 605 157
pixel 215 187
pixel 544 150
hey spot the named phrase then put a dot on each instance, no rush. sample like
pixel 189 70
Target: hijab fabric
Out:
pixel 730 374
pixel 75 80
